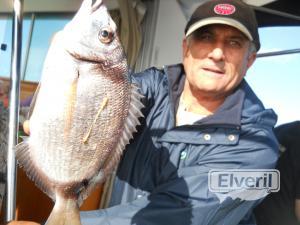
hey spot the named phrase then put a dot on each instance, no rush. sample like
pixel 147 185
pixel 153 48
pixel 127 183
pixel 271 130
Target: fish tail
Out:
pixel 65 212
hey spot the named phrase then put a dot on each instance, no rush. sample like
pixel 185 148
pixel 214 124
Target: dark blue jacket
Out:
pixel 162 178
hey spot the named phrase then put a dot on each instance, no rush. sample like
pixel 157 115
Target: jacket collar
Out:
pixel 229 113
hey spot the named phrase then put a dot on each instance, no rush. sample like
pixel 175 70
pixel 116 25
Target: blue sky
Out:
pixel 276 79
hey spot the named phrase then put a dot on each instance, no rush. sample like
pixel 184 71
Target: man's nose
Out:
pixel 217 54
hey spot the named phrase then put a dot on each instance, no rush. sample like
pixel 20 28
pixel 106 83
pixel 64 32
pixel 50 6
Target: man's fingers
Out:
pixel 22 223
pixel 26 127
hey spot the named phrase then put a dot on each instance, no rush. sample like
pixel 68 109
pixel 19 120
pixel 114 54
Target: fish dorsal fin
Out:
pixel 131 121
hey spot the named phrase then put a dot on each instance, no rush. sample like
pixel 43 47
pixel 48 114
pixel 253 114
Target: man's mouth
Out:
pixel 214 70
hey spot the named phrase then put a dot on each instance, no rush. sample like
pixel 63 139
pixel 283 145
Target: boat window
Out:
pixel 38 30
pixel 45 26
pixel 276 79
pixel 6 42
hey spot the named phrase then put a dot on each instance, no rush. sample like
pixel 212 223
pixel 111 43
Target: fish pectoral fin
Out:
pixel 70 107
pixel 102 106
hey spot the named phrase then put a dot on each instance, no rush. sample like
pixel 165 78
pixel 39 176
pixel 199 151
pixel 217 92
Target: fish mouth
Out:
pixel 96 4
pixel 88 58
pixel 100 60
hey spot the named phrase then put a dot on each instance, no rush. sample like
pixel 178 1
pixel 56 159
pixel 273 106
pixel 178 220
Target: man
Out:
pixel 199 115
pixel 283 207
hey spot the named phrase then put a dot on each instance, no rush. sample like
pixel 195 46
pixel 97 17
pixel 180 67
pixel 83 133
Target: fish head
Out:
pixel 91 36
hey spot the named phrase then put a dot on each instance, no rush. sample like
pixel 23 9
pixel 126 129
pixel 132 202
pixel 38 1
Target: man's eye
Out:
pixel 205 37
pixel 235 43
pixel 201 35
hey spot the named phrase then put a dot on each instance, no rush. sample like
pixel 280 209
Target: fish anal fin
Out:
pixel 25 161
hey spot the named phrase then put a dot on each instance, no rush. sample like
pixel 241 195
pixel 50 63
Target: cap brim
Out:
pixel 219 20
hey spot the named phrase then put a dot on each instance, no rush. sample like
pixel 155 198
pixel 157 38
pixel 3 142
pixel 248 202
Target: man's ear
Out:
pixel 184 47
pixel 251 60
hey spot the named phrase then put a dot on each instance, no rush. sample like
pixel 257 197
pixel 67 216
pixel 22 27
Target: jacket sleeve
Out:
pixel 169 207
pixel 182 195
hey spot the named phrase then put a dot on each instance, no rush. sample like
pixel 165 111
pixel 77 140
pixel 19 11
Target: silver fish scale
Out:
pixel 84 160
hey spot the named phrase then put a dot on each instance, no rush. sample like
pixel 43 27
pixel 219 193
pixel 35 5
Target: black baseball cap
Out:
pixel 234 13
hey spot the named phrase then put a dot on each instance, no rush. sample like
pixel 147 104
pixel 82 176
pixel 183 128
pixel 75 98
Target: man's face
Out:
pixel 215 59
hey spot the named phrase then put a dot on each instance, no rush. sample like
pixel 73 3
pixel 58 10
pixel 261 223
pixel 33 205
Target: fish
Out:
pixel 85 111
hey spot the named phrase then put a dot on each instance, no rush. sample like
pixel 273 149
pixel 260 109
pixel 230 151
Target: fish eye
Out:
pixel 106 35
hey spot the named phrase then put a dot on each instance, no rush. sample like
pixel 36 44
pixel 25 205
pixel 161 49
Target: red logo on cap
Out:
pixel 224 9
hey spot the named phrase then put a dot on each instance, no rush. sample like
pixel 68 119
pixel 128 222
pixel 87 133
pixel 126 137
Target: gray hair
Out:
pixel 252 48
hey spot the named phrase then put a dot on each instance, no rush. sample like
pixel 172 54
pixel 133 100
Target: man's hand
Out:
pixel 26 127
pixel 22 223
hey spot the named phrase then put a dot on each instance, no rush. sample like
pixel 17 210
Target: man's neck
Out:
pixel 200 104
